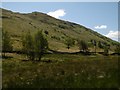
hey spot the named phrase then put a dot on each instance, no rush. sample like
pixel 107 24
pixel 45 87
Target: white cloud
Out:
pixel 101 27
pixel 57 14
pixel 113 35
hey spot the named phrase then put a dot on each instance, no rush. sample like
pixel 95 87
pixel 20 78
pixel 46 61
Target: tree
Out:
pixel 46 32
pixel 41 45
pixel 117 49
pixel 34 47
pixel 28 45
pixel 95 44
pixel 6 43
pixel 100 44
pixel 106 49
pixel 83 45
pixel 69 42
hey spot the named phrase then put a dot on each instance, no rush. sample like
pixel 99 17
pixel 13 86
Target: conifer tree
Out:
pixel 41 44
pixel 6 43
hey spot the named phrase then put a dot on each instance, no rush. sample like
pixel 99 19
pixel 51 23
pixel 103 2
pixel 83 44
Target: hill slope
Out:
pixel 17 24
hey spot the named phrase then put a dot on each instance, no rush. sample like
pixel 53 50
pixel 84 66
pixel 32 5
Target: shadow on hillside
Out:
pixel 80 52
pixel 6 57
pixel 44 61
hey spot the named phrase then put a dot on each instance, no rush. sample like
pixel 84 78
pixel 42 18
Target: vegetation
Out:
pixel 53 28
pixel 46 32
pixel 69 42
pixel 28 46
pixel 100 44
pixel 83 46
pixel 63 71
pixel 106 49
pixel 34 47
pixel 73 69
pixel 41 45
pixel 117 50
pixel 95 44
pixel 6 43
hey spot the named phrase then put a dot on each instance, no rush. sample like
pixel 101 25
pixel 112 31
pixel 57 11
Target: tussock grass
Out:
pixel 64 71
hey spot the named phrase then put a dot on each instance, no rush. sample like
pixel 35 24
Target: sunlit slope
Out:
pixel 58 30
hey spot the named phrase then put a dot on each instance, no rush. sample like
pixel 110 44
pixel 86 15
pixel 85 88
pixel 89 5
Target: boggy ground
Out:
pixel 60 71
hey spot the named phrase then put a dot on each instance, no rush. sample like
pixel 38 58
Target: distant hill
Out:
pixel 55 30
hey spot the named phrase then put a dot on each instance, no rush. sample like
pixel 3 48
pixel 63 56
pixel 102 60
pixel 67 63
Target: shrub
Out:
pixel 69 42
pixel 82 45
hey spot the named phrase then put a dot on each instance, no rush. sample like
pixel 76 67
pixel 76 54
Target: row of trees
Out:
pixel 33 46
pixel 102 45
pixel 83 45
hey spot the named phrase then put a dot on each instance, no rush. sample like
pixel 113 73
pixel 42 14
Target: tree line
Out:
pixel 83 45
pixel 34 46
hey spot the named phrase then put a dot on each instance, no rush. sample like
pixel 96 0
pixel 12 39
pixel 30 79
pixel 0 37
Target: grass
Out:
pixel 56 70
pixel 63 71
pixel 33 22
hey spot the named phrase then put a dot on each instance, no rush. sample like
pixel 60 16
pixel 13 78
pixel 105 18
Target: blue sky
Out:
pixel 101 17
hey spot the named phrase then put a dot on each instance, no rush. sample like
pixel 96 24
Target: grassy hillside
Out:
pixel 56 70
pixel 17 24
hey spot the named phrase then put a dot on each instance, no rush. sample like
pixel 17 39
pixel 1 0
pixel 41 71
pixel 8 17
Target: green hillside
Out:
pixel 31 67
pixel 57 30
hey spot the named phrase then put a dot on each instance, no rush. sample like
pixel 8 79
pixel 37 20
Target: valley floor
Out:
pixel 60 71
